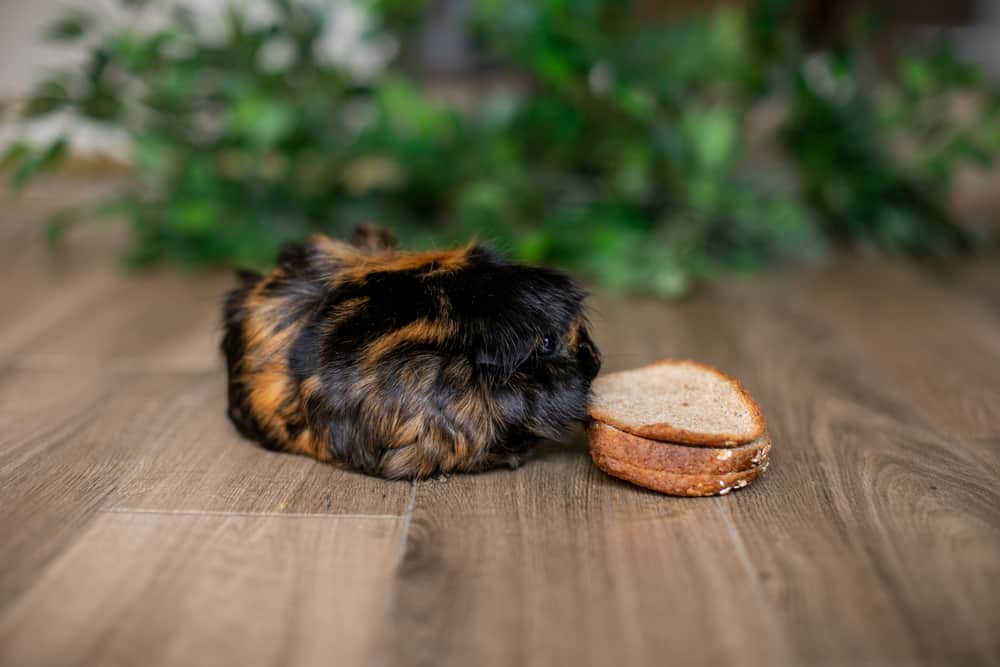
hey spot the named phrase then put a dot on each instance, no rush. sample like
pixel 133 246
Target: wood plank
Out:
pixel 558 564
pixel 207 466
pixel 24 216
pixel 159 320
pixel 77 306
pixel 41 289
pixel 977 278
pixel 939 345
pixel 60 461
pixel 34 303
pixel 43 286
pixel 75 442
pixel 169 589
pixel 870 506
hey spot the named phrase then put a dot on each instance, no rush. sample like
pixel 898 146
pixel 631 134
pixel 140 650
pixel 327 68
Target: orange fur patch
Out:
pixel 420 331
pixel 356 267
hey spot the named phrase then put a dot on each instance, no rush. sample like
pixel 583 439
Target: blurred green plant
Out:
pixel 627 149
pixel 241 135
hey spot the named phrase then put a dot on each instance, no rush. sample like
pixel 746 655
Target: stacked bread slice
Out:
pixel 678 427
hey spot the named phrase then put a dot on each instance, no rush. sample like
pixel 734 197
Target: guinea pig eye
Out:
pixel 547 345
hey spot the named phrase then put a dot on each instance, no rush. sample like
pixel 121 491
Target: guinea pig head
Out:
pixel 526 332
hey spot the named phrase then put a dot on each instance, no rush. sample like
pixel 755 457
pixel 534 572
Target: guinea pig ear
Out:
pixel 372 239
pixel 323 257
pixel 248 277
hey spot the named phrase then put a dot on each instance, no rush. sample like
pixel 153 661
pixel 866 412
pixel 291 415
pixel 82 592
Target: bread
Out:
pixel 678 427
pixel 674 483
pixel 678 401
pixel 610 442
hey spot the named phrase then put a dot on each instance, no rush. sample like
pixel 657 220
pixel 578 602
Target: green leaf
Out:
pixel 14 154
pixel 33 163
pixel 195 215
pixel 532 247
pixel 262 120
pixel 727 35
pixel 671 282
pixel 70 27
pixel 132 50
pixel 152 154
pixel 713 136
pixel 51 156
pixel 57 226
pixel 917 75
pixel 410 113
pixel 51 94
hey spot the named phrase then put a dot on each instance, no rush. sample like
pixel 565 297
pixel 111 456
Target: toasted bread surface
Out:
pixel 684 402
pixel 677 484
pixel 676 458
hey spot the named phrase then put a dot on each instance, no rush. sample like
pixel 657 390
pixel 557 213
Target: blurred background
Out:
pixel 645 145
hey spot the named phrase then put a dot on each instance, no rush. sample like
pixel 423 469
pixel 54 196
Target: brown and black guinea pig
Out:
pixel 406 364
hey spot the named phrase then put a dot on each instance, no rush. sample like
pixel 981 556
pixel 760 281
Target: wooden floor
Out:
pixel 137 528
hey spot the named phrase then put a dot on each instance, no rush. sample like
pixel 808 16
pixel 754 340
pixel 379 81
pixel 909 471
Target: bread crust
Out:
pixel 665 432
pixel 609 441
pixel 676 484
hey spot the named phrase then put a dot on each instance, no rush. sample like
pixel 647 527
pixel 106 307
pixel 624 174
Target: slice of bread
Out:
pixel 677 484
pixel 678 401
pixel 608 441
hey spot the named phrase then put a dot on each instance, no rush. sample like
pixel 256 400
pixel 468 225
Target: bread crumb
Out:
pixel 722 456
pixel 726 490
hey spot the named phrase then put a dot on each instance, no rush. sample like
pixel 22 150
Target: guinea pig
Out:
pixel 406 364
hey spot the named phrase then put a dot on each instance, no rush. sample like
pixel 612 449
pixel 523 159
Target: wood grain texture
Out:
pixel 886 528
pixel 207 466
pixel 957 386
pixel 972 279
pixel 183 589
pixel 826 596
pixel 77 441
pixel 155 321
pixel 60 462
pixel 35 301
pixel 558 564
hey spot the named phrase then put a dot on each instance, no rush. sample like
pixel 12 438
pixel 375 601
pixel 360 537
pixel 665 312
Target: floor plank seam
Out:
pixel 743 557
pixel 407 520
pixel 283 515
pixel 43 363
pixel 387 604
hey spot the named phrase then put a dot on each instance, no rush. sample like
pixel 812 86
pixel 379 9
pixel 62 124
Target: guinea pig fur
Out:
pixel 406 364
